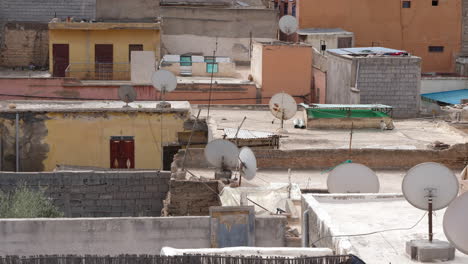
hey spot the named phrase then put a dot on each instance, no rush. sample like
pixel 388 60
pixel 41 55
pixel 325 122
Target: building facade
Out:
pixel 406 25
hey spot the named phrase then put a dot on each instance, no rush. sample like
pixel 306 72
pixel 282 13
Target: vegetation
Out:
pixel 26 203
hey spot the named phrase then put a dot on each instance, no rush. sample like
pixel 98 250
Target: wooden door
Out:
pixel 104 59
pixel 61 59
pixel 122 153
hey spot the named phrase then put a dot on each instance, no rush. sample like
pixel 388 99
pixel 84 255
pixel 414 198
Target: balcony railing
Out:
pixel 99 71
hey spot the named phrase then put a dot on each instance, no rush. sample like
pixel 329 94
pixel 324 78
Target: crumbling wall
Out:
pixel 97 194
pixel 124 10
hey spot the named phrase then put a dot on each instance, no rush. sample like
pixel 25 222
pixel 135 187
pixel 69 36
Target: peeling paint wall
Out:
pixel 82 139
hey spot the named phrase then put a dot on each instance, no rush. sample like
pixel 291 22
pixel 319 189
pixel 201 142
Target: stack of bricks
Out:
pixel 97 194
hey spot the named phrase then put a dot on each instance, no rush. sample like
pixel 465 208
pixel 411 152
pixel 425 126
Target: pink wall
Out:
pixel 320 86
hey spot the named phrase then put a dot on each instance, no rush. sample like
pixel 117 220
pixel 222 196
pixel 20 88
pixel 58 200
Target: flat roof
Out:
pixel 348 106
pixel 89 106
pixel 102 25
pixel 448 97
pixel 363 213
pixel 312 31
pixel 366 51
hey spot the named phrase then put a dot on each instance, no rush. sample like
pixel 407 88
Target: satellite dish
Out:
pixel 430 186
pixel 456 223
pixel 352 178
pixel 127 94
pixel 224 155
pixel 248 166
pixel 288 24
pixel 430 179
pixel 283 106
pixel 165 82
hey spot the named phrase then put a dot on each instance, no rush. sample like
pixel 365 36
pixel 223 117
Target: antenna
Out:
pixel 165 82
pixel 352 178
pixel 127 94
pixel 284 107
pixel 455 223
pixel 429 186
pixel 247 164
pixel 288 24
pixel 224 155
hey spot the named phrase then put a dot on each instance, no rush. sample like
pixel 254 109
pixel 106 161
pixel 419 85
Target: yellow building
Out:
pixel 100 134
pixel 99 51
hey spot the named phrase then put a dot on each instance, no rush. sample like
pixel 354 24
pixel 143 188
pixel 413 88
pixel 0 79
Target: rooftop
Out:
pixel 448 97
pixel 89 106
pixel 366 51
pixel 102 25
pixel 322 31
pixel 348 214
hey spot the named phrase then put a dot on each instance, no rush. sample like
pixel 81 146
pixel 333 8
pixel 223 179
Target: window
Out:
pixel 406 4
pixel 293 12
pixel 285 9
pixel 211 65
pixel 133 47
pixel 185 60
pixel 122 153
pixel 436 48
pixel 345 42
pixel 435 2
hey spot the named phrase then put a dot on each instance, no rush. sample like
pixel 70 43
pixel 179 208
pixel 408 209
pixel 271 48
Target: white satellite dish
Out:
pixel 248 163
pixel 127 94
pixel 430 186
pixel 456 223
pixel 283 106
pixel 224 155
pixel 352 178
pixel 165 82
pixel 288 24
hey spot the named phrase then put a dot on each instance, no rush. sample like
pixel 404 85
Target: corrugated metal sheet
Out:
pixel 449 97
pixel 246 134
pixel 351 106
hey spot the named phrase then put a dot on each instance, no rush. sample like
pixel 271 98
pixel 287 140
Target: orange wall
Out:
pixel 386 24
pixel 320 86
pixel 286 68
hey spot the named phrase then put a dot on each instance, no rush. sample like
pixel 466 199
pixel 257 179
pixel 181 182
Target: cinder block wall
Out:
pixel 97 194
pixel 391 81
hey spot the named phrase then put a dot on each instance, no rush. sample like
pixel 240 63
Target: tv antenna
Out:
pixel 127 94
pixel 247 164
pixel 430 187
pixel 284 107
pixel 224 155
pixel 352 178
pixel 288 24
pixel 165 82
pixel 455 223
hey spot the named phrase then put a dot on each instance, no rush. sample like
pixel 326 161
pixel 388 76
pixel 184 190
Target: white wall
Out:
pixel 443 84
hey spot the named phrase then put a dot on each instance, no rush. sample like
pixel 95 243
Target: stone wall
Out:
pixel 97 194
pixel 391 81
pixel 115 236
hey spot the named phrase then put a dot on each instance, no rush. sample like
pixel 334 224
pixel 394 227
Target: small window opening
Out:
pixel 406 4
pixel 435 2
pixel 436 48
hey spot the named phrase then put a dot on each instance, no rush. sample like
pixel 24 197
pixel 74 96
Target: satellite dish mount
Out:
pixel 165 82
pixel 127 94
pixel 283 107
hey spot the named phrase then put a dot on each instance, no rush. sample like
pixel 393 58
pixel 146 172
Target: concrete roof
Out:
pixel 322 31
pixel 103 25
pixel 367 213
pixel 89 106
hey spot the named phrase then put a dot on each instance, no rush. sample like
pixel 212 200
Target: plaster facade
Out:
pixel 386 23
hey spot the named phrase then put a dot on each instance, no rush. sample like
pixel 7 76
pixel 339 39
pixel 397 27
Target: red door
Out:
pixel 104 59
pixel 122 153
pixel 61 59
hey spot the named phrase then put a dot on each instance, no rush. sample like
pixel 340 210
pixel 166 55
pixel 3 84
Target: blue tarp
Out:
pixel 450 97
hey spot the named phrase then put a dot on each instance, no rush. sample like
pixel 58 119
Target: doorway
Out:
pixel 61 59
pixel 104 59
pixel 122 153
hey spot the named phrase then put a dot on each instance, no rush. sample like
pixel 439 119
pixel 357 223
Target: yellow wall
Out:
pixel 82 42
pixel 82 139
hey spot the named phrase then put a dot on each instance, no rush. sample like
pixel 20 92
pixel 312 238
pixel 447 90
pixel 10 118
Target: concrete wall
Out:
pixel 341 81
pixel 464 45
pixel 385 23
pixel 97 194
pixel 115 236
pixel 443 84
pixel 331 39
pixel 394 81
pixel 124 10
pixel 232 29
pixel 320 86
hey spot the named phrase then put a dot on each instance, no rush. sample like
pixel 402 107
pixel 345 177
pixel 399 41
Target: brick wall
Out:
pixel 391 81
pixel 98 194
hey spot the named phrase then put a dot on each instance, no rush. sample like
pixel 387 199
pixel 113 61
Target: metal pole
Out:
pixel 430 218
pixel 17 142
pixel 190 139
pixel 351 139
pixel 238 129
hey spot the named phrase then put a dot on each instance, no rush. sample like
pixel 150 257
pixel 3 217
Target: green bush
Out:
pixel 26 203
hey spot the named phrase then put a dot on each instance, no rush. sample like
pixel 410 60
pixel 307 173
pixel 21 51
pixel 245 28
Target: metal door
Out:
pixel 122 153
pixel 104 59
pixel 61 59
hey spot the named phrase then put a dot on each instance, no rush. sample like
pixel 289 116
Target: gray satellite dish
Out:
pixel 127 94
pixel 248 163
pixel 352 178
pixel 430 186
pixel 165 82
pixel 288 24
pixel 283 106
pixel 456 223
pixel 224 155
